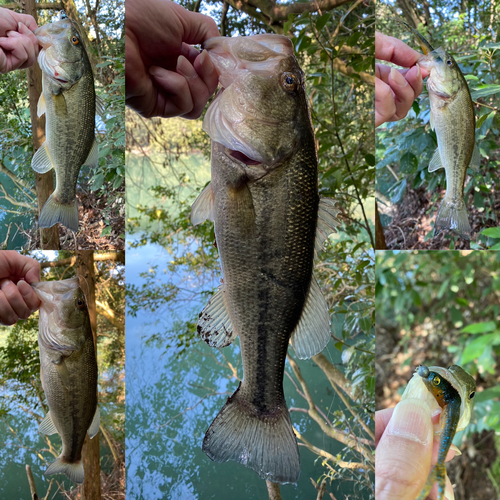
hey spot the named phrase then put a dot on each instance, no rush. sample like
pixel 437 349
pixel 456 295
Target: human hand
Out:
pixel 17 298
pixel 18 45
pixel 395 90
pixel 164 75
pixel 405 450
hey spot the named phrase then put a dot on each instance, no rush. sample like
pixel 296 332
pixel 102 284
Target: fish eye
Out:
pixel 436 380
pixel 449 62
pixel 74 40
pixel 289 81
pixel 472 394
pixel 80 303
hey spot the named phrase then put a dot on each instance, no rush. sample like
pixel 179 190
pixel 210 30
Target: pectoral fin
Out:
pixel 435 163
pixel 313 330
pixel 214 325
pixel 62 371
pixel 47 426
pixel 94 426
pixel 42 106
pixel 41 161
pixel 203 207
pixel 327 221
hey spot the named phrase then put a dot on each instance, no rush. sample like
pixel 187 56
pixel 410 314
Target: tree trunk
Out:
pixel 49 237
pixel 92 483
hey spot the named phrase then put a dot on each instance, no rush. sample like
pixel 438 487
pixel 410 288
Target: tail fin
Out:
pixel 74 471
pixel 266 444
pixel 453 215
pixel 54 212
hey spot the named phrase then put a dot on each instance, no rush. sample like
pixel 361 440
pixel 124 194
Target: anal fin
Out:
pixel 47 426
pixel 312 332
pixel 41 161
pixel 94 426
pixel 436 162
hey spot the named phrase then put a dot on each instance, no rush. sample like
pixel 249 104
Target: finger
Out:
pixel 382 418
pixel 199 28
pixel 385 107
pixel 29 296
pixel 13 296
pixel 27 32
pixel 414 77
pixel 189 52
pixel 395 51
pixel 27 20
pixel 174 97
pixel 7 315
pixel 206 69
pixel 403 457
pixel 403 93
pixel 197 87
pixel 19 53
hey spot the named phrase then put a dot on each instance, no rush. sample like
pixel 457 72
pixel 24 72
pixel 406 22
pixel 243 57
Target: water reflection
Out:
pixel 172 399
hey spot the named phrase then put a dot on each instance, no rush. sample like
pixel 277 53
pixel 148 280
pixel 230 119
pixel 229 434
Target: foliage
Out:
pixel 452 300
pixel 404 148
pixel 17 179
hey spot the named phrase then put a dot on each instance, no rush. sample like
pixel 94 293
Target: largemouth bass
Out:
pixel 452 117
pixel 263 198
pixel 69 102
pixel 68 372
pixel 452 390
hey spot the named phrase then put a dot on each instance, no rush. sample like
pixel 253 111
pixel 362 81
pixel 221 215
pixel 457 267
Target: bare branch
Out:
pixel 112 256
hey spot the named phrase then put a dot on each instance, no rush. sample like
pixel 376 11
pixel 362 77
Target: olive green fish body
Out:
pixel 263 199
pixel 69 133
pixel 68 99
pixel 68 372
pixel 452 116
pixel 454 123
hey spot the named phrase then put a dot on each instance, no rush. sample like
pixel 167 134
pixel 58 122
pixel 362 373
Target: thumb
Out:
pixel 403 455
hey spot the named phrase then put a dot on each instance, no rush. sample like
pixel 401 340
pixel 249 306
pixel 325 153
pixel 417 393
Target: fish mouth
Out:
pixel 50 291
pixel 242 157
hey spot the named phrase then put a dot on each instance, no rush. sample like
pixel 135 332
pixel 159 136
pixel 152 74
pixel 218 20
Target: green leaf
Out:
pixel 491 232
pixel 370 159
pixel 484 91
pixel 487 326
pixel 322 20
pixel 475 348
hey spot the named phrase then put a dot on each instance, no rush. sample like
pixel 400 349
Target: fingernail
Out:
pixel 398 78
pixel 185 69
pixel 448 492
pixel 419 73
pixel 411 420
pixel 5 283
pixel 208 68
pixel 455 449
pixel 155 71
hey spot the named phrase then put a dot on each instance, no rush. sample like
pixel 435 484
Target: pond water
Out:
pixel 172 398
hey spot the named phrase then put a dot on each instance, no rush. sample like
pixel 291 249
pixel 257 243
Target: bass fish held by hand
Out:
pixel 263 198
pixel 69 102
pixel 452 117
pixel 68 372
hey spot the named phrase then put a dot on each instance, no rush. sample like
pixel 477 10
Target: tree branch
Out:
pixel 13 177
pixel 112 256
